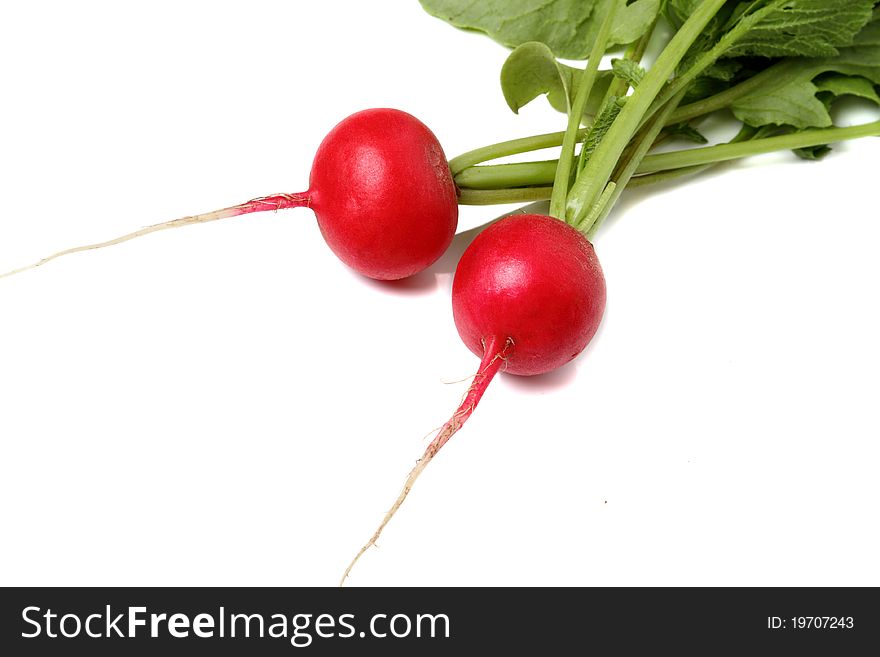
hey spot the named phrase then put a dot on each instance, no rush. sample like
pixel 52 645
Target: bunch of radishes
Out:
pixel 529 292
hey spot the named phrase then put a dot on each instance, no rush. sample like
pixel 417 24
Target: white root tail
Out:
pixel 262 204
pixel 493 359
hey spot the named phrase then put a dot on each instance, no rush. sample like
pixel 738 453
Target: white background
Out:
pixel 227 404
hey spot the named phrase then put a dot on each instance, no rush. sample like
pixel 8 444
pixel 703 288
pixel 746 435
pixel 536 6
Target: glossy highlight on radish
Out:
pixel 527 298
pixel 381 190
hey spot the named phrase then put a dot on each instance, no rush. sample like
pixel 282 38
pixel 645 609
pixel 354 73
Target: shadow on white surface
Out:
pixel 422 283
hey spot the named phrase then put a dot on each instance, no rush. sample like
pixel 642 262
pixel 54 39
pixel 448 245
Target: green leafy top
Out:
pixel 567 27
pixel 787 93
pixel 532 70
pixel 778 65
pixel 809 28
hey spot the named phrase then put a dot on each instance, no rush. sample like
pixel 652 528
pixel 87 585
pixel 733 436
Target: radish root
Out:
pixel 493 359
pixel 262 204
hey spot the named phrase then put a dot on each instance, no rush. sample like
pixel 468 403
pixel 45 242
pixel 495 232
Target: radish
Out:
pixel 530 285
pixel 380 188
pixel 527 297
pixel 383 194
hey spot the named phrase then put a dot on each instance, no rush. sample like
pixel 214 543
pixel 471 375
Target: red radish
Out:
pixel 528 296
pixel 383 194
pixel 532 280
pixel 380 188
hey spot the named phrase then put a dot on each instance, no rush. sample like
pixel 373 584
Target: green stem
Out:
pixel 502 176
pixel 576 114
pixel 705 60
pixel 533 194
pixel 619 87
pixel 553 139
pixel 603 205
pixel 500 196
pixel 746 133
pixel 629 167
pixel 687 112
pixel 663 176
pixel 641 180
pixel 727 97
pixel 506 148
pixel 723 152
pixel 634 53
pixel 600 166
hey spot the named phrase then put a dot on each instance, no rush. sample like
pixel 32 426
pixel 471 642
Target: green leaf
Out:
pixel 677 11
pixel 724 70
pixel 847 85
pixel 634 20
pixel 771 130
pixel 703 87
pixel 870 34
pixel 568 27
pixel 687 132
pixel 862 58
pixel 628 71
pixel 600 126
pixel 789 28
pixel 790 97
pixel 793 103
pixel 531 70
pixel 715 79
pixel 813 152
